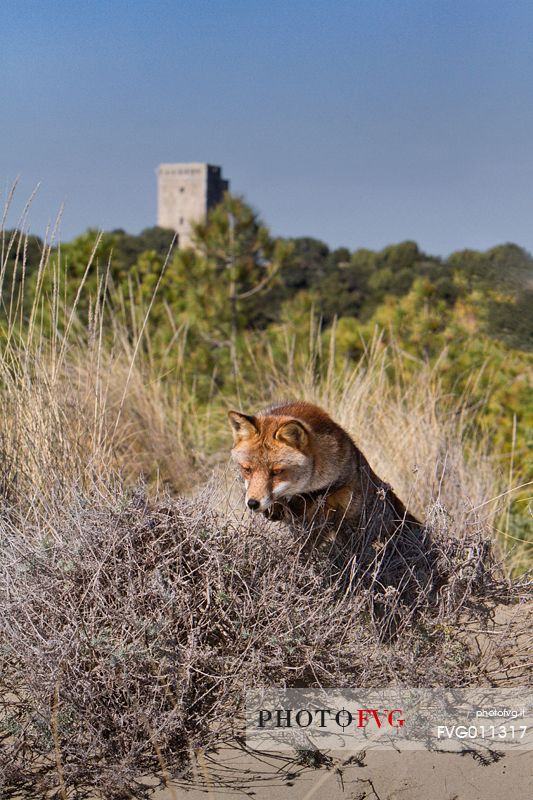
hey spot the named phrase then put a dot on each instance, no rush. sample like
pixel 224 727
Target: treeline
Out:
pixel 302 273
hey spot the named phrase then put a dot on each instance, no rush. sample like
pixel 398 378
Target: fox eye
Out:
pixel 277 471
pixel 246 471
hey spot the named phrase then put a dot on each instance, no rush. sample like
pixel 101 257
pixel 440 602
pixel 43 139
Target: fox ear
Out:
pixel 243 425
pixel 294 434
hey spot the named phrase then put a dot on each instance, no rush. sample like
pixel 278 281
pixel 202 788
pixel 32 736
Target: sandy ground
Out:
pixel 505 646
pixel 377 776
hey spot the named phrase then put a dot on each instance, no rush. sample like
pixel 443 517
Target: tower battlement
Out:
pixel 186 192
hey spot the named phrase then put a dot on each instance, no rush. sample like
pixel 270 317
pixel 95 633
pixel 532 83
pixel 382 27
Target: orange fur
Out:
pixel 298 463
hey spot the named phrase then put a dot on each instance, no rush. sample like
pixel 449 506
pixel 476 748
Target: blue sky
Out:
pixel 361 123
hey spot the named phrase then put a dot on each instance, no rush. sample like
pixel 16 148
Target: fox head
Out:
pixel 274 455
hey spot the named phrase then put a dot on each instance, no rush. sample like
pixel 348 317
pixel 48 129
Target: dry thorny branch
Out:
pixel 130 626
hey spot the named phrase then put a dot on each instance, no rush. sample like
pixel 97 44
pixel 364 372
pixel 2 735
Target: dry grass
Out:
pixel 82 404
pixel 130 619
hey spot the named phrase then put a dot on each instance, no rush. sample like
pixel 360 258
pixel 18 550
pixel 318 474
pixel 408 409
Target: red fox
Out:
pixel 297 462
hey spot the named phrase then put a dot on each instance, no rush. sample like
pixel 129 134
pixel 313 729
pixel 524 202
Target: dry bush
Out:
pixel 131 628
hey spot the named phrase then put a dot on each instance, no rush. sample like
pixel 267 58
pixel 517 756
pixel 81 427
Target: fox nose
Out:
pixel 253 504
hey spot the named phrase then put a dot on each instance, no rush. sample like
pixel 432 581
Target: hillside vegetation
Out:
pixel 162 341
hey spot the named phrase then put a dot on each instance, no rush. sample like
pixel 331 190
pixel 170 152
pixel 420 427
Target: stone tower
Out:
pixel 185 194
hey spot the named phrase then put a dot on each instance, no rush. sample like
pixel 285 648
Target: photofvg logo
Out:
pixel 322 718
pixel 390 718
pixel 330 720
